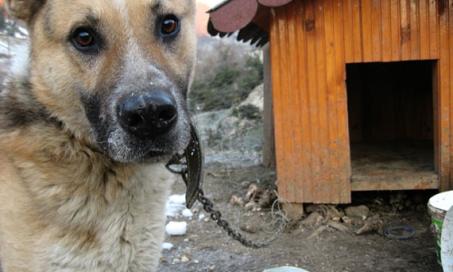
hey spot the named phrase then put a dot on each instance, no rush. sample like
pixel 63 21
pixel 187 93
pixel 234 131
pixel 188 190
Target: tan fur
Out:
pixel 65 205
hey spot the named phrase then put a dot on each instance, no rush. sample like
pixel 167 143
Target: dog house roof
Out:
pixel 249 17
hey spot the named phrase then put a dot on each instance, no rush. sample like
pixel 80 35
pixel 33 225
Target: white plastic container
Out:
pixel 446 252
pixel 438 206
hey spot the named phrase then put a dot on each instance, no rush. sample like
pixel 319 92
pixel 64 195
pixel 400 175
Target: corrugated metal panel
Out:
pixel 311 42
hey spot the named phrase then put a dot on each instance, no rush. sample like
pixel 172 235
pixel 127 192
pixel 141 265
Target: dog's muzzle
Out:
pixel 147 115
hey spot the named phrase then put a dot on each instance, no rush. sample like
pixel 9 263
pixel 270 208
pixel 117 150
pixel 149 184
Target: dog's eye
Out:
pixel 169 25
pixel 85 40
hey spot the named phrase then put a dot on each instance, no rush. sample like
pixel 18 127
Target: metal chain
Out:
pixel 192 158
pixel 216 216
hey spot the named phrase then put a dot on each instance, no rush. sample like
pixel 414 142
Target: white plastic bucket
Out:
pixel 446 252
pixel 438 206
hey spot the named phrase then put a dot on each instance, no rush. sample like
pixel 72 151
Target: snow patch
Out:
pixel 187 213
pixel 167 246
pixel 201 216
pixel 176 228
pixel 175 205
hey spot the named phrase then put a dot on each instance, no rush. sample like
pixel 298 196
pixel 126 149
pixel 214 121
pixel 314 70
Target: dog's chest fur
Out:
pixel 79 211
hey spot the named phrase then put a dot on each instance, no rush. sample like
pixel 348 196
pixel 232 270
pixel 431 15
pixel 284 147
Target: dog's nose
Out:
pixel 148 115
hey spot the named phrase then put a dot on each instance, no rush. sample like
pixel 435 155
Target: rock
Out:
pixel 313 220
pixel 255 98
pixel 184 259
pixel 252 206
pixel 249 228
pixel 267 198
pixel 361 211
pixel 333 213
pixel 338 226
pixel 352 221
pixel 236 201
pixel 372 224
pixel 252 191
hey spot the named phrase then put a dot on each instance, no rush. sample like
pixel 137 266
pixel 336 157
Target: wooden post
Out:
pixel 268 115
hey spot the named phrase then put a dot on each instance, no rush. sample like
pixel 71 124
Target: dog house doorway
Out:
pixel 391 125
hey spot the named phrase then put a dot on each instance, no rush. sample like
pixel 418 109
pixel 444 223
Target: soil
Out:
pixel 207 248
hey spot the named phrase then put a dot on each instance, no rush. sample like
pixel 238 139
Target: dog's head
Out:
pixel 114 72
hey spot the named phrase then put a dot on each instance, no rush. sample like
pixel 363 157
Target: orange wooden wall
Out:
pixel 311 41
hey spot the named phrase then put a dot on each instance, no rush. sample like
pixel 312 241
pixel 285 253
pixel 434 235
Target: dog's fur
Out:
pixel 77 192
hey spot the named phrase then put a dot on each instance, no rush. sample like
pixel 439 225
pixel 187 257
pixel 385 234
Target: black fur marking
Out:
pixel 92 105
pixel 19 108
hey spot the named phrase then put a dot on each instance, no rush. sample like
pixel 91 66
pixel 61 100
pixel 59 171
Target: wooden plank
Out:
pixel 386 30
pixel 405 30
pixel 268 124
pixel 367 30
pixel 287 111
pixel 322 185
pixel 348 25
pixel 424 29
pixel 298 179
pixel 357 30
pixel 395 22
pixel 279 104
pixel 340 104
pixel 423 183
pixel 444 100
pixel 376 30
pixel 312 90
pixel 302 59
pixel 433 30
pixel 334 174
pixel 447 184
pixel 414 29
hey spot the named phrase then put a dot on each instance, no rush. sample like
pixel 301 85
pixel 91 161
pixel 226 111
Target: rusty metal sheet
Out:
pixel 234 15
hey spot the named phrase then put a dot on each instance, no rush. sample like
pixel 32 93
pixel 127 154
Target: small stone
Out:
pixel 372 224
pixel 346 220
pixel 251 206
pixel 187 213
pixel 313 220
pixel 201 216
pixel 185 259
pixel 361 211
pixel 251 192
pixel 249 228
pixel 338 226
pixel 236 201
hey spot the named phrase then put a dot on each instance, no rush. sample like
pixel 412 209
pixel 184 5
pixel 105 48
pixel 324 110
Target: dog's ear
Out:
pixel 23 9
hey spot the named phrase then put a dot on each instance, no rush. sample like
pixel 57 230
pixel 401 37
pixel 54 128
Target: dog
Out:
pixel 86 125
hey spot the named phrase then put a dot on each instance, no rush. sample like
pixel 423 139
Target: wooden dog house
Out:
pixel 362 92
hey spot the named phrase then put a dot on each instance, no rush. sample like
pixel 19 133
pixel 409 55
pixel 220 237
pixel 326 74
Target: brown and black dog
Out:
pixel 85 126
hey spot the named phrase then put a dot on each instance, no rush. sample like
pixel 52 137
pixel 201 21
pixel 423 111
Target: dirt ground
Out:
pixel 206 247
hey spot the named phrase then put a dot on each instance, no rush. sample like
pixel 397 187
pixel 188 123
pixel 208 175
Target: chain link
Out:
pixel 182 169
pixel 216 216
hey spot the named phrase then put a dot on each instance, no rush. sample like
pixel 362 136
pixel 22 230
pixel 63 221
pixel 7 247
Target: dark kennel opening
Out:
pixel 391 125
